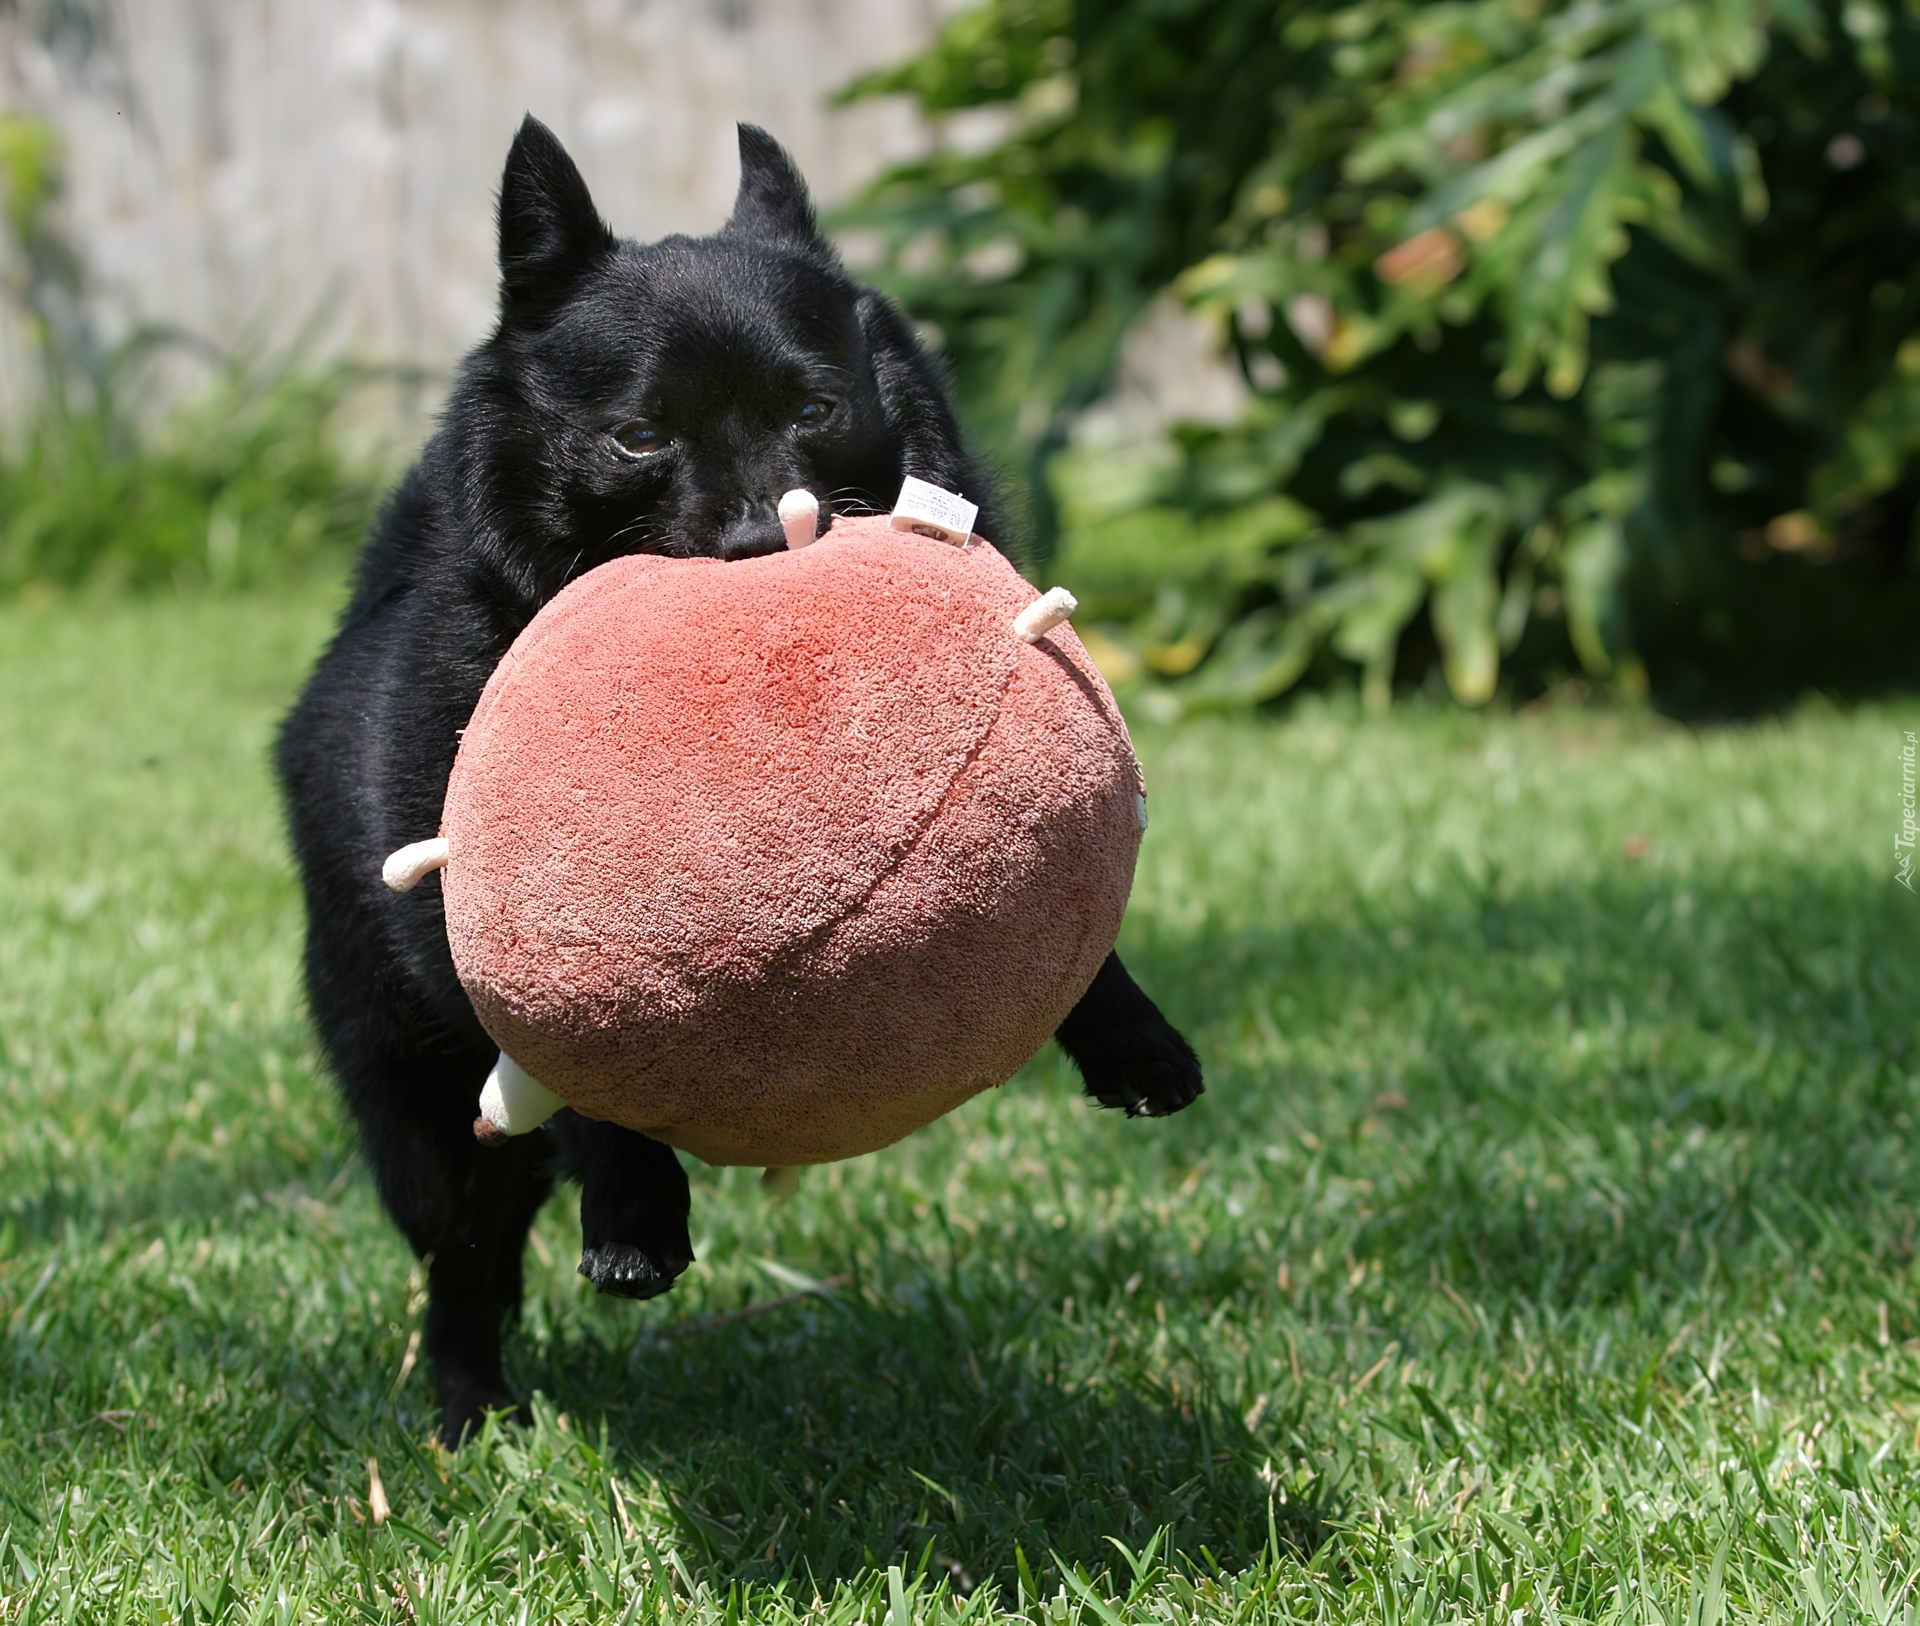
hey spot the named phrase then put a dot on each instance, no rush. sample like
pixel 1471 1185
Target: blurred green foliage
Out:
pixel 242 483
pixel 242 486
pixel 1586 326
pixel 27 169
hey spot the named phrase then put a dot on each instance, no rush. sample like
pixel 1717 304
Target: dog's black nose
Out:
pixel 750 535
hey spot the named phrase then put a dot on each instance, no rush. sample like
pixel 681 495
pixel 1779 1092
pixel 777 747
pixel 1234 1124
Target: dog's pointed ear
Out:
pixel 550 232
pixel 772 204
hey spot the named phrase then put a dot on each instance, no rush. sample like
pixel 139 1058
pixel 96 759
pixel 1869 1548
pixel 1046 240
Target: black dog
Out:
pixel 633 398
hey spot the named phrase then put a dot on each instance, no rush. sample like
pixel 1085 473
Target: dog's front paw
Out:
pixel 629 1272
pixel 1147 1068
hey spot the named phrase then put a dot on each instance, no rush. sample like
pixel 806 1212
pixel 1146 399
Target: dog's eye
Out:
pixel 815 411
pixel 638 436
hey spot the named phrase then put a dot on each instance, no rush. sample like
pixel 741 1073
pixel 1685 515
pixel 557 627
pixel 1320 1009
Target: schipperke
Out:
pixel 634 398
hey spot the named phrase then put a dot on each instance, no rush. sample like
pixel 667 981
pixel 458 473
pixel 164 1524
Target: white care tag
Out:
pixel 926 510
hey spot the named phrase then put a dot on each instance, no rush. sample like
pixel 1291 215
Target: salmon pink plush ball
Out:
pixel 778 860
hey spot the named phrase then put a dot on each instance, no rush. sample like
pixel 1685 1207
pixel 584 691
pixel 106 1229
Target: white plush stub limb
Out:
pixel 800 517
pixel 926 510
pixel 1044 614
pixel 411 865
pixel 512 1102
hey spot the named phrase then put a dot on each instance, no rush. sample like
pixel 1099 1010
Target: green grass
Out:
pixel 1542 1249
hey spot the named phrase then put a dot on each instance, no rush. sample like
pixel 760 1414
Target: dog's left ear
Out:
pixel 772 204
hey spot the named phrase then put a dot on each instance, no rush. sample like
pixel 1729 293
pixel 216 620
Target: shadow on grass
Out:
pixel 1593 1088
pixel 871 1429
pixel 1605 1099
pixel 1603 1095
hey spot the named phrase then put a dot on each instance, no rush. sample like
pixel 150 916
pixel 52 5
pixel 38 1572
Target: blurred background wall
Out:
pixel 1474 351
pixel 320 174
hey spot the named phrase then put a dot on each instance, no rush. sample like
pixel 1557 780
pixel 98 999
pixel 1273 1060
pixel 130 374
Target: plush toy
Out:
pixel 777 860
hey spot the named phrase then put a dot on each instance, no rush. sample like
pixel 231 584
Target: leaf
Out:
pixel 1371 608
pixel 1262 656
pixel 1594 558
pixel 1464 608
pixel 1577 231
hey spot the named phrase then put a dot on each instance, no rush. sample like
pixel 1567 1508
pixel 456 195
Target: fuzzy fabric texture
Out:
pixel 778 860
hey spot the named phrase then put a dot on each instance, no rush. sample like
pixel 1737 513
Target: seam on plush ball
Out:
pixel 691 1032
pixel 910 837
pixel 674 1134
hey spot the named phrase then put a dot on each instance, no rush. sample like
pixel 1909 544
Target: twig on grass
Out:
pixel 700 1326
pixel 377 1493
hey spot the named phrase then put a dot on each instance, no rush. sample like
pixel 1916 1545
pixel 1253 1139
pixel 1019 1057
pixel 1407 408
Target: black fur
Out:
pixel 658 398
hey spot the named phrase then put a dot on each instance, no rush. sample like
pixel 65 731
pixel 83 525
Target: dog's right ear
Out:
pixel 772 203
pixel 550 232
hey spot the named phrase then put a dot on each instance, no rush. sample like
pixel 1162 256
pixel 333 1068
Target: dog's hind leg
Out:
pixel 466 1209
pixel 1129 1055
pixel 634 1200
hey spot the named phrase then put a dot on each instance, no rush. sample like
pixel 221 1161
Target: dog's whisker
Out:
pixel 648 530
pixel 837 502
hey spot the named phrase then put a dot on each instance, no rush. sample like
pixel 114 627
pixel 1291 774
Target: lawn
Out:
pixel 1542 1249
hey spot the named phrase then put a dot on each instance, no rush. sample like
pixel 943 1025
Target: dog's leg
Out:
pixel 466 1210
pixel 475 1279
pixel 1128 1054
pixel 633 1207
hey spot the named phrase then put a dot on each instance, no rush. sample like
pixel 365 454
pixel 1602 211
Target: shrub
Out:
pixel 239 485
pixel 1586 326
pixel 242 485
